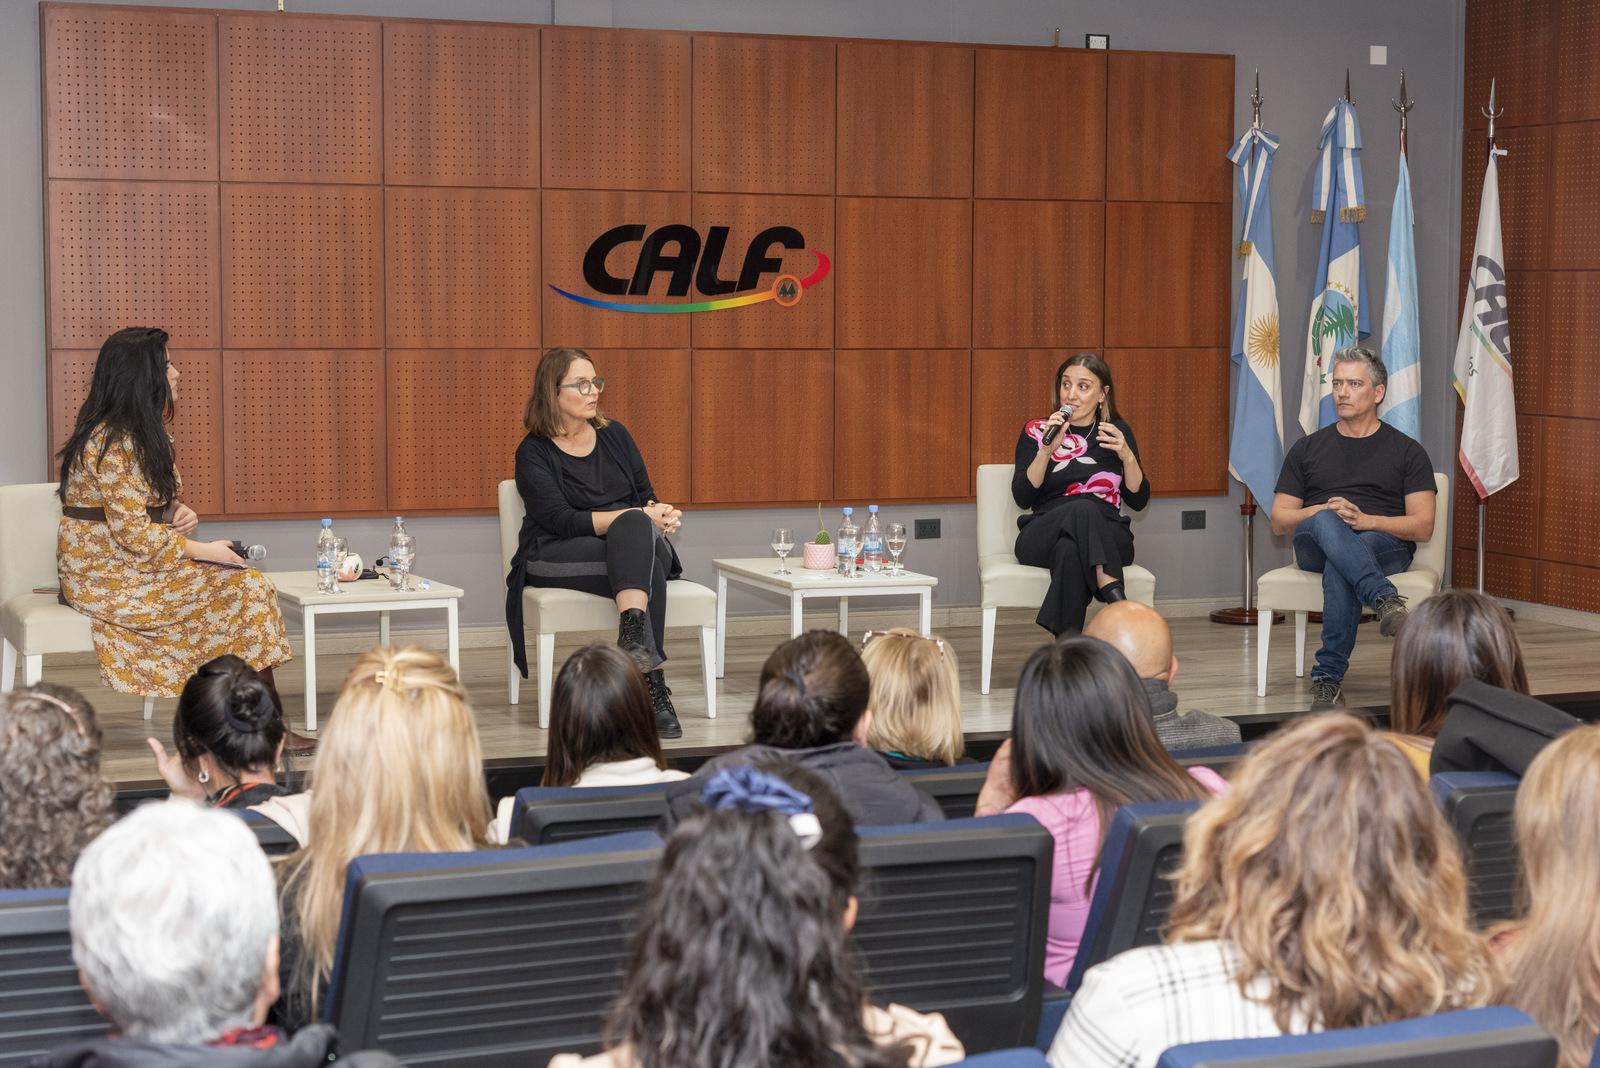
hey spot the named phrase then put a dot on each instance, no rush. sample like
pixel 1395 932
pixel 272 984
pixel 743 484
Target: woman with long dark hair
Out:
pixel 602 727
pixel 742 954
pixel 1075 470
pixel 159 603
pixel 1083 744
pixel 593 523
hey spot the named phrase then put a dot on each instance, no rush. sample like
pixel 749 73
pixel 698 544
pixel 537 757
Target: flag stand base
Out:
pixel 1243 617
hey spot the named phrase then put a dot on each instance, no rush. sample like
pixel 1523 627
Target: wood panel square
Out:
pixel 1516 513
pixel 779 453
pixel 302 266
pixel 616 108
pixel 196 426
pixel 1570 468
pixel 905 120
pixel 462 267
pixel 768 324
pixel 304 430
pixel 763 115
pixel 460 104
pixel 1176 402
pixel 1038 273
pixel 1167 278
pixel 908 416
pixel 1568 586
pixel 453 439
pixel 1039 124
pixel 1570 364
pixel 132 253
pixel 1573 197
pixel 1510 42
pixel 1010 387
pixel 1576 89
pixel 129 93
pixel 573 222
pixel 904 273
pixel 1169 126
pixel 647 391
pixel 301 98
pixel 1503 576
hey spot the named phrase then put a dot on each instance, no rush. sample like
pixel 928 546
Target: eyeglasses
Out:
pixel 586 386
pixel 871 634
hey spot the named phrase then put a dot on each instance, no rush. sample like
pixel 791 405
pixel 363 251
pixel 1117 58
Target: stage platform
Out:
pixel 1216 673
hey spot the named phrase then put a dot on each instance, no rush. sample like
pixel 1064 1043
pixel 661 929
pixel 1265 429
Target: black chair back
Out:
pixel 42 1006
pixel 1478 805
pixel 955 789
pixel 543 815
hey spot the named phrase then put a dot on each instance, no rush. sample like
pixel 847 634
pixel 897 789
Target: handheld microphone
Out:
pixel 1051 432
pixel 253 553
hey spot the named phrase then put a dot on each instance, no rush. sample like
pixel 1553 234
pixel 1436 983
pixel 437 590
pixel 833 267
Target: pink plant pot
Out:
pixel 818 557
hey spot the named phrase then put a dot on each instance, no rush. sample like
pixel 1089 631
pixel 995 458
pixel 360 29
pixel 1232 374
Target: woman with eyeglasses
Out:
pixel 1075 471
pixel 593 523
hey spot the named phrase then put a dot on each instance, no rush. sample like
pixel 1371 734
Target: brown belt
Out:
pixel 161 515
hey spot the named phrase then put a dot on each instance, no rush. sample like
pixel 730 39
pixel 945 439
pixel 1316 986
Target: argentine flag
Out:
pixel 1402 333
pixel 1339 301
pixel 1256 450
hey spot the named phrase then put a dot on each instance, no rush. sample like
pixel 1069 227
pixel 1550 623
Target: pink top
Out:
pixel 1073 822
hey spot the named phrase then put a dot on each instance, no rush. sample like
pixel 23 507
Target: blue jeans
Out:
pixel 1353 565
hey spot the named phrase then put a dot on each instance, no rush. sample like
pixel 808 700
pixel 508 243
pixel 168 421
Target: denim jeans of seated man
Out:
pixel 1353 565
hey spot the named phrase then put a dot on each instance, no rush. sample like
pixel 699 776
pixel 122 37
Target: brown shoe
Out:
pixel 298 743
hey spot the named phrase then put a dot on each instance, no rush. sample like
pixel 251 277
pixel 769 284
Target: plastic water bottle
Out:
pixel 327 567
pixel 402 551
pixel 872 542
pixel 847 541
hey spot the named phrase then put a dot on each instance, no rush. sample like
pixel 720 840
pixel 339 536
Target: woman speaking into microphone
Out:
pixel 1075 471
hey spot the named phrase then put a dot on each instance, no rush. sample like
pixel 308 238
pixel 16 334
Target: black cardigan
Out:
pixel 551 518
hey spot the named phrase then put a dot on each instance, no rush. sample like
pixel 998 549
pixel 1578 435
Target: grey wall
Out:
pixel 1302 50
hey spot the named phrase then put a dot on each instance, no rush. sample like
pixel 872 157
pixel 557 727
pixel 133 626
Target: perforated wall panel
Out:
pixel 303 265
pixel 926 396
pixel 1010 387
pixel 1571 466
pixel 305 431
pixel 132 254
pixel 1038 273
pixel 1155 151
pixel 763 115
pixel 809 322
pixel 301 99
pixel 1528 298
pixel 912 291
pixel 463 267
pixel 1524 175
pixel 1510 42
pixel 733 464
pixel 1166 277
pixel 471 398
pixel 905 120
pixel 1577 79
pixel 1574 198
pixel 1568 585
pixel 1176 401
pixel 1503 576
pixel 1019 93
pixel 1517 513
pixel 617 109
pixel 1571 364
pixel 460 104
pixel 129 94
pixel 647 391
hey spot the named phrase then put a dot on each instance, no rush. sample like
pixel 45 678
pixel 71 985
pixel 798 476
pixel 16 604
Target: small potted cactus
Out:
pixel 818 553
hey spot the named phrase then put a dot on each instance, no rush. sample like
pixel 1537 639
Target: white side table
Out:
pixel 298 590
pixel 799 584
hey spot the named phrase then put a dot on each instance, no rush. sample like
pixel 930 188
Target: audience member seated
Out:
pixel 227 735
pixel 1552 957
pixel 399 770
pixel 1138 632
pixel 53 798
pixel 602 725
pixel 1325 890
pixel 1082 745
pixel 811 709
pixel 915 701
pixel 175 934
pixel 1452 636
pixel 743 955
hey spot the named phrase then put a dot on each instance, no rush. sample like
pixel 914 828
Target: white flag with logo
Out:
pixel 1483 356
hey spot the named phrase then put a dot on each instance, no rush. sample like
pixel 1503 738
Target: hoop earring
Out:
pixel 205 776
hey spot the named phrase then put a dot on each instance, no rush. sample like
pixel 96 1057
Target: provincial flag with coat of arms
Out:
pixel 1255 452
pixel 1339 300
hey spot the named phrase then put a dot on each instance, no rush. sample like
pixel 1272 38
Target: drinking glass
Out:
pixel 341 549
pixel 402 550
pixel 782 544
pixel 895 539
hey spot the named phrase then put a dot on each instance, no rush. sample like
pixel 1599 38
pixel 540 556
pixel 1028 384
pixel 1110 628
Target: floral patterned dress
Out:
pixel 156 617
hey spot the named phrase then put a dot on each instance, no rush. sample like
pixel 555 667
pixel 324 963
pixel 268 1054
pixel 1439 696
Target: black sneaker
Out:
pixel 1391 613
pixel 1326 695
pixel 667 724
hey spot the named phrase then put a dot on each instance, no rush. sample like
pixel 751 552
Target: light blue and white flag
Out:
pixel 1402 331
pixel 1339 301
pixel 1255 452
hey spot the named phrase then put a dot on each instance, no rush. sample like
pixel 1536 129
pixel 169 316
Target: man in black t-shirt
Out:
pixel 1357 496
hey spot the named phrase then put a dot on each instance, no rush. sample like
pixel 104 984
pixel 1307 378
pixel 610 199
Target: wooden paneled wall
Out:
pixel 1543 531
pixel 350 227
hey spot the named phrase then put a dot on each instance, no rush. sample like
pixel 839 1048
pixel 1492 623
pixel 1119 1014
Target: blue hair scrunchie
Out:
pixel 752 790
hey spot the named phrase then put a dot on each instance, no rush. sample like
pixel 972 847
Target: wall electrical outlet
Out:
pixel 927 528
pixel 1194 520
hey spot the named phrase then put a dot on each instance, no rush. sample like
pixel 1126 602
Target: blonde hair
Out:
pixel 916 696
pixel 1554 963
pixel 1330 869
pixel 398 770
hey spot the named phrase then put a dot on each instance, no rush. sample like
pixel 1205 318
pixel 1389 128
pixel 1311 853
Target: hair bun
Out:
pixel 250 708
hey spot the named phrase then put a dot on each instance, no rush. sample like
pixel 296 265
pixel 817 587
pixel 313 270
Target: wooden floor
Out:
pixel 1216 673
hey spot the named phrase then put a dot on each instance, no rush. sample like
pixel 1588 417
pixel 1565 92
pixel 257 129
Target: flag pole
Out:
pixel 1483 502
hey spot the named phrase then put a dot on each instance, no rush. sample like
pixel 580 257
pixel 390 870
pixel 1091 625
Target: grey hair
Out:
pixel 1361 354
pixel 173 909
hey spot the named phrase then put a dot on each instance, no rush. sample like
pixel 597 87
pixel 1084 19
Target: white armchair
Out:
pixel 1007 583
pixel 1289 589
pixel 548 612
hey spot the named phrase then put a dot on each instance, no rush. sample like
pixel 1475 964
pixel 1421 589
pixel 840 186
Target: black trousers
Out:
pixel 1072 539
pixel 630 555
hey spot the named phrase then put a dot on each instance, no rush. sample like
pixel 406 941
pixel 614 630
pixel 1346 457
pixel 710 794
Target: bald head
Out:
pixel 1139 633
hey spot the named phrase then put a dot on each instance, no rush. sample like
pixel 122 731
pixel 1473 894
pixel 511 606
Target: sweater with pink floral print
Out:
pixel 1079 465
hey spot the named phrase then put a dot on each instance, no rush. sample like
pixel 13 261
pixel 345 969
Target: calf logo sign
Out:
pixel 696 261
